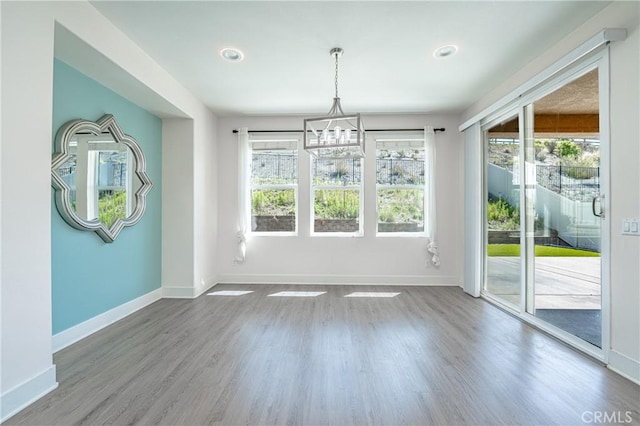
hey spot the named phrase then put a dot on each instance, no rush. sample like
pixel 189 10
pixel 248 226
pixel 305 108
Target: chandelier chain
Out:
pixel 336 81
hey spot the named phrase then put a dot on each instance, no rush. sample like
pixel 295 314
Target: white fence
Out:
pixel 573 219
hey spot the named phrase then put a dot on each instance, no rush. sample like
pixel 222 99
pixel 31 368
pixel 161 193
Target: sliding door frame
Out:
pixel 498 118
pixel 598 59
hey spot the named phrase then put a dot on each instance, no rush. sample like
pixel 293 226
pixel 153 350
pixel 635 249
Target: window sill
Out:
pixel 401 235
pixel 338 234
pixel 273 234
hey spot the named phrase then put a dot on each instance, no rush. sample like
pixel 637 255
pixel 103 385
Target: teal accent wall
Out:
pixel 89 276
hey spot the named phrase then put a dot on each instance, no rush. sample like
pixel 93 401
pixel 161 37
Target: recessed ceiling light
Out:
pixel 231 54
pixel 445 51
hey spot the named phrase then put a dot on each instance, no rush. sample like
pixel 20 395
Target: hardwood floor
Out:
pixel 431 355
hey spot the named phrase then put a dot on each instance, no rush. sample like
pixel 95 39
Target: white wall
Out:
pixel 624 200
pixel 625 195
pixel 370 259
pixel 178 246
pixel 205 204
pixel 28 42
pixel 189 211
pixel 26 206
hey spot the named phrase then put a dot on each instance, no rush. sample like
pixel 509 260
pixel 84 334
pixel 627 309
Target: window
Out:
pixel 274 186
pixel 113 184
pixel 100 165
pixel 400 178
pixel 337 196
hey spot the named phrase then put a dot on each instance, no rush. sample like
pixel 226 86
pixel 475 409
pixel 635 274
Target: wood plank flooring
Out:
pixel 431 355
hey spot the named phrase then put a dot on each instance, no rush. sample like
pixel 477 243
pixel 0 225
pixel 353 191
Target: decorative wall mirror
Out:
pixel 99 175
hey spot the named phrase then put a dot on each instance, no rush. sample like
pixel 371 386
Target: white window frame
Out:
pixel 274 142
pixel 416 141
pixel 312 197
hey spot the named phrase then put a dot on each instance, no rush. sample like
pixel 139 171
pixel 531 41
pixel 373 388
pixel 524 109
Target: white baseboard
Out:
pixel 175 292
pixel 205 285
pixel 84 329
pixel 390 280
pixel 21 396
pixel 171 292
pixel 624 366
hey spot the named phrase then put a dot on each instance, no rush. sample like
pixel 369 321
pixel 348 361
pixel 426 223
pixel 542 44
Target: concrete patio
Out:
pixel 560 282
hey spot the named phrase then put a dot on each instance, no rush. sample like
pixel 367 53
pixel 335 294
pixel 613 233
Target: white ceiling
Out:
pixel 387 66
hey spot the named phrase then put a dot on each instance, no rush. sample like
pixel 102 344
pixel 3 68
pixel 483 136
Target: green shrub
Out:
pixel 567 148
pixel 397 171
pixel 551 145
pixel 502 216
pixel 587 159
pixel 342 169
pixel 273 202
pixel 400 205
pixel 583 167
pixel 499 210
pixel 336 204
pixel 541 150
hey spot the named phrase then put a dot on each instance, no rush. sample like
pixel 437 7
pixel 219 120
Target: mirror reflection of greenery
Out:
pixel 112 206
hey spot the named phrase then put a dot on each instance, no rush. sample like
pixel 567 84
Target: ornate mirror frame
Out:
pixel 106 124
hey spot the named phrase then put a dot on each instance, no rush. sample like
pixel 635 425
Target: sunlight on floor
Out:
pixel 298 293
pixel 228 293
pixel 372 294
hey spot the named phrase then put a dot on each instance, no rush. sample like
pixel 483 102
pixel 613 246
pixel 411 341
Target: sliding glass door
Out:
pixel 563 204
pixel 503 225
pixel 544 208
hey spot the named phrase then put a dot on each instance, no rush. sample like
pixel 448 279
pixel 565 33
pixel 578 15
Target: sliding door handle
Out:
pixel 593 206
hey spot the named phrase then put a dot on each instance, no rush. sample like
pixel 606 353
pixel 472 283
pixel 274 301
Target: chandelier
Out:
pixel 336 135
